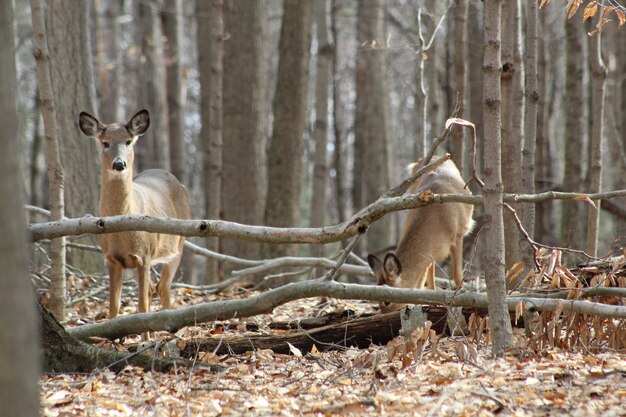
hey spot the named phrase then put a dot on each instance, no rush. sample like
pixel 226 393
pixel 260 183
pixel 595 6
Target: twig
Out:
pixel 332 274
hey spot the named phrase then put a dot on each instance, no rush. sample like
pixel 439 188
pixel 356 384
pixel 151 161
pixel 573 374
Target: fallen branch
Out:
pixel 172 320
pixel 358 223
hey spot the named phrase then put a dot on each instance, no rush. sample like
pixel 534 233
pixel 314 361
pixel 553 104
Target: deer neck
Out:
pixel 116 194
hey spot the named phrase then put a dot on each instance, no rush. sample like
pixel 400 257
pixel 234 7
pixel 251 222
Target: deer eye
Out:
pixel 128 142
pixel 105 144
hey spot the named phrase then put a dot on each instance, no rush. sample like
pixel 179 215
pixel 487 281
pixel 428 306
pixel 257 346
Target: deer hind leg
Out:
pixel 143 278
pixel 430 276
pixel 163 287
pixel 457 262
pixel 115 287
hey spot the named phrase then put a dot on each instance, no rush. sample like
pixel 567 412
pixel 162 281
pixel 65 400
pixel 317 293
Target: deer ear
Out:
pixel 139 123
pixel 375 264
pixel 392 264
pixel 89 125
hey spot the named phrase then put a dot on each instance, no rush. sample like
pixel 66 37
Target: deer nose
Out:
pixel 119 165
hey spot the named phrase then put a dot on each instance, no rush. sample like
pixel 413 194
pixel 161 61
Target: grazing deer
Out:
pixel 154 192
pixel 430 234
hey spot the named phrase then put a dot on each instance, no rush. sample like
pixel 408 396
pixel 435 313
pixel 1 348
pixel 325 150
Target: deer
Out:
pixel 154 192
pixel 430 234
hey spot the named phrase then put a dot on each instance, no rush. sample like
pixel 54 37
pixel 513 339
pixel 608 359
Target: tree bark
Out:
pixel 211 53
pixel 598 73
pixel 108 59
pixel 572 232
pixel 245 114
pixel 320 130
pixel 372 125
pixel 19 352
pixel 460 75
pixel 73 92
pixel 338 122
pixel 499 319
pixel 150 70
pixel 56 176
pixel 530 130
pixel 512 115
pixel 286 147
pixel 172 23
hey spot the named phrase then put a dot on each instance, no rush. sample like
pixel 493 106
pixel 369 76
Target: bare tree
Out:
pixel 512 116
pixel 244 182
pixel 285 154
pixel 171 18
pixel 599 73
pixel 56 175
pixel 320 132
pixel 572 233
pixel 530 129
pixel 338 122
pixel 210 53
pixel 108 59
pixel 460 75
pixel 372 153
pixel 499 319
pixel 19 350
pixel 73 91
pixel 150 72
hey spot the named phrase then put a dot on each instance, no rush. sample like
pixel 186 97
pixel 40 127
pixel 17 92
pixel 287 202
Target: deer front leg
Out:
pixel 143 278
pixel 457 262
pixel 167 275
pixel 115 287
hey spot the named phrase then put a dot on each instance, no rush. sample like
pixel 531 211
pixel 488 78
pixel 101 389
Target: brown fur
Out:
pixel 430 234
pixel 154 192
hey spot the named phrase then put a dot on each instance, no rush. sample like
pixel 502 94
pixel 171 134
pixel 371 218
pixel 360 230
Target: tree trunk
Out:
pixel 56 176
pixel 244 155
pixel 210 53
pixel 73 91
pixel 286 147
pixel 598 72
pixel 460 75
pixel 171 18
pixel 530 132
pixel 150 70
pixel 372 122
pixel 338 123
pixel 512 111
pixel 19 350
pixel 499 320
pixel 320 130
pixel 572 233
pixel 108 59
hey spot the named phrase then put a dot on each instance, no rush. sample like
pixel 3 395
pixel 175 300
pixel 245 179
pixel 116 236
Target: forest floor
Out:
pixel 350 381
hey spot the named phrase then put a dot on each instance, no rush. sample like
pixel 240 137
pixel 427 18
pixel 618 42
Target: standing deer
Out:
pixel 154 192
pixel 430 234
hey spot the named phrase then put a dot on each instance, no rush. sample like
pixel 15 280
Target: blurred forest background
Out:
pixel 298 113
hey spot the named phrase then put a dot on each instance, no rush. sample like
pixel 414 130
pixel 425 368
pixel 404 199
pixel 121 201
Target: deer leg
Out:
pixel 430 276
pixel 167 275
pixel 457 262
pixel 143 278
pixel 115 287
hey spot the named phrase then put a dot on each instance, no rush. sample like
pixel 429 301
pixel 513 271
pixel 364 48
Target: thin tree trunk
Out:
pixel 71 68
pixel 372 121
pixel 56 176
pixel 499 320
pixel 571 226
pixel 338 123
pixel 108 59
pixel 19 350
pixel 530 131
pixel 245 116
pixel 320 132
pixel 154 152
pixel 171 18
pixel 286 147
pixel 599 73
pixel 512 111
pixel 38 197
pixel 211 53
pixel 460 74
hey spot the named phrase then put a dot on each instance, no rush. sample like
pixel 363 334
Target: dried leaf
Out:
pixel 621 16
pixel 458 121
pixel 590 10
pixel 572 7
pixel 584 197
pixel 294 350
